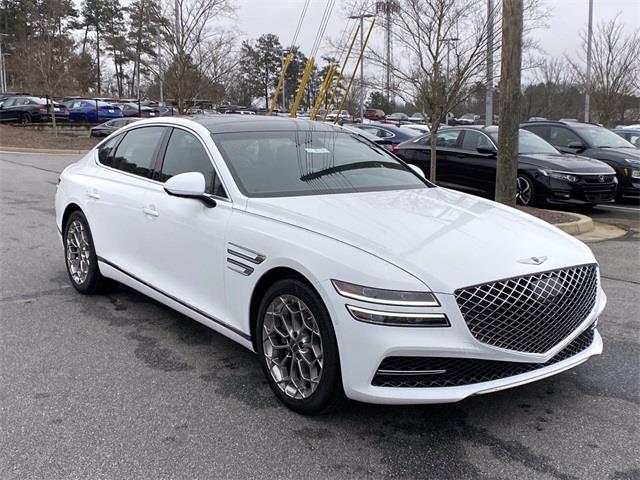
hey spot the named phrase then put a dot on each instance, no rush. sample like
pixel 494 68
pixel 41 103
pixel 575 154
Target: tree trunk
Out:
pixel 507 166
pixel 52 113
pixel 433 152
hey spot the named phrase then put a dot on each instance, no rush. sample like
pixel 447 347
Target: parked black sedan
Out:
pixel 130 109
pixel 390 133
pixel 25 109
pixel 466 160
pixel 107 128
pixel 593 141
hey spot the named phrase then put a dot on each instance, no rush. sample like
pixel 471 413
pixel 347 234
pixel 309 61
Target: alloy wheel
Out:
pixel 78 252
pixel 292 346
pixel 524 191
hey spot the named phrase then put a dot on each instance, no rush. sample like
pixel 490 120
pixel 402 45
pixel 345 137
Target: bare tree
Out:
pixel 615 68
pixel 442 44
pixel 190 44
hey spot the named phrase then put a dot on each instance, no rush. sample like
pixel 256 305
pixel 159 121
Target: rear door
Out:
pixel 115 197
pixel 185 249
pixel 473 171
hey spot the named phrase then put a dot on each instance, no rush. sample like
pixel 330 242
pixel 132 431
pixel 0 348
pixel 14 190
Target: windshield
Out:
pixel 287 163
pixel 599 137
pixel 529 143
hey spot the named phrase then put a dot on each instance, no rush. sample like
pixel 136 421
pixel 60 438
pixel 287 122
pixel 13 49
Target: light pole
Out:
pixel 284 80
pixel 488 99
pixel 588 82
pixel 448 41
pixel 362 17
pixel 3 68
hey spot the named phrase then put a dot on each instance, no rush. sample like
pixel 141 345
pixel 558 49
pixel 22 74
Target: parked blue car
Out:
pixel 92 111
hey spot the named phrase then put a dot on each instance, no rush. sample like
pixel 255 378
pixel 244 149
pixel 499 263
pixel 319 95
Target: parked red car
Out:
pixel 374 114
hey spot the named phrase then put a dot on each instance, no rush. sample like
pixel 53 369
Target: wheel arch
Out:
pixel 266 280
pixel 69 209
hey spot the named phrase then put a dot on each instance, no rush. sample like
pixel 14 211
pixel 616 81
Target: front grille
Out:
pixel 463 371
pixel 532 313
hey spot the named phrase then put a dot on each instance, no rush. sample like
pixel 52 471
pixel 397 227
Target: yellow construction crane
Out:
pixel 328 79
pixel 346 93
pixel 303 84
pixel 340 74
pixel 276 94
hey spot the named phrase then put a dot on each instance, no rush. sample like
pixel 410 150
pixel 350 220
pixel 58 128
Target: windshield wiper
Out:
pixel 347 167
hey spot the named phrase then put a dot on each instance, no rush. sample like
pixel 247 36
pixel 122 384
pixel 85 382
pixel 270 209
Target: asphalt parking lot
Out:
pixel 120 386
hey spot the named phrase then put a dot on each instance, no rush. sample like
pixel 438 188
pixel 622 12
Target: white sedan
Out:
pixel 344 269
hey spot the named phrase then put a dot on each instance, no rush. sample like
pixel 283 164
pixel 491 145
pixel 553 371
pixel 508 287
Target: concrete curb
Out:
pixel 40 150
pixel 581 224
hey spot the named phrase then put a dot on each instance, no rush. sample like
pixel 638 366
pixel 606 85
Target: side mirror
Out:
pixel 487 150
pixel 418 170
pixel 189 185
pixel 576 146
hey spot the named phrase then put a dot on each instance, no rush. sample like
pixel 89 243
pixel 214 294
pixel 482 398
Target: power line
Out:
pixel 300 21
pixel 323 26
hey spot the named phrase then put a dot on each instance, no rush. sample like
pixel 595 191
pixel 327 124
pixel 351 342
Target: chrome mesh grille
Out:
pixel 532 313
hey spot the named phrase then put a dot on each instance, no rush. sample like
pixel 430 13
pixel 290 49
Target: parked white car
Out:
pixel 344 269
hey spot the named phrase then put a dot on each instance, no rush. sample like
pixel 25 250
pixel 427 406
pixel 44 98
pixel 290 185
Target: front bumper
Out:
pixel 363 347
pixel 578 193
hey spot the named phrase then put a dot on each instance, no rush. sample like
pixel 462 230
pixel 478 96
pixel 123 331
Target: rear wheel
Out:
pixel 298 349
pixel 80 257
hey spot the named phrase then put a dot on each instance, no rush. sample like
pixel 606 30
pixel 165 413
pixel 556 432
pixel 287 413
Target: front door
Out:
pixel 185 240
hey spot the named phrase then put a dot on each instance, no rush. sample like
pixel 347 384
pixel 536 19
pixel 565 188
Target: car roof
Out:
pixel 232 123
pixel 560 122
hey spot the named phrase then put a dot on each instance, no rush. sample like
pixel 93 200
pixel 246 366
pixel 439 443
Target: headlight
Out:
pixel 633 162
pixel 386 297
pixel 567 177
pixel 399 319
pixel 632 172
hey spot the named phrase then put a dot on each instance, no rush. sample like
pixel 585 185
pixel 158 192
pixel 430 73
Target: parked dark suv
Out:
pixel 593 141
pixel 466 161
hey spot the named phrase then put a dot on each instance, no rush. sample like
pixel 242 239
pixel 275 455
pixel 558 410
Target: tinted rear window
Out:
pixel 272 164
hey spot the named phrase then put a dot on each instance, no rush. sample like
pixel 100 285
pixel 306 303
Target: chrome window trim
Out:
pixel 156 182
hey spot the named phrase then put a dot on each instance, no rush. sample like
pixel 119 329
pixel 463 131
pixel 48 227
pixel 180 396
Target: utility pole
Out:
pixel 362 17
pixel 3 69
pixel 510 71
pixel 587 92
pixel 160 73
pixel 388 7
pixel 488 100
pixel 284 83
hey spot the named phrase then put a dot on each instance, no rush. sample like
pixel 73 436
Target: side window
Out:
pixel 448 138
pixel 10 102
pixel 135 154
pixel 385 134
pixel 563 136
pixel 540 130
pixel 185 153
pixel 106 151
pixel 472 140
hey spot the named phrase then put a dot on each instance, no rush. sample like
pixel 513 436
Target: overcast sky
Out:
pixel 567 19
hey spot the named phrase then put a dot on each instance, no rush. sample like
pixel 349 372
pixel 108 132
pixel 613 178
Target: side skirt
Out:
pixel 111 270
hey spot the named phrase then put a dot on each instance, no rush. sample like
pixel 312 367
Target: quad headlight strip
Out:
pixel 386 297
pixel 399 319
pixel 397 298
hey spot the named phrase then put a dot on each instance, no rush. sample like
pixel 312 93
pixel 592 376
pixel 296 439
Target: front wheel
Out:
pixel 525 191
pixel 298 349
pixel 80 256
pixel 26 118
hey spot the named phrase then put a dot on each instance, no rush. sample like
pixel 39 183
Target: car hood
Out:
pixel 444 238
pixel 566 163
pixel 616 153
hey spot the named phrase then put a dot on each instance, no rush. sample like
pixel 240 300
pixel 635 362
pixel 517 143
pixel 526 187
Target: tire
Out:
pixel 525 191
pixel 312 343
pixel 26 118
pixel 80 257
pixel 587 207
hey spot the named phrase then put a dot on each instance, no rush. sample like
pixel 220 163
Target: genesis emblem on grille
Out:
pixel 533 260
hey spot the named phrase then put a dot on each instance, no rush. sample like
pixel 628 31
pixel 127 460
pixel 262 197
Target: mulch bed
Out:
pixel 25 138
pixel 548 215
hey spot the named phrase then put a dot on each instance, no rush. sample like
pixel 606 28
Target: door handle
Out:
pixel 151 211
pixel 93 194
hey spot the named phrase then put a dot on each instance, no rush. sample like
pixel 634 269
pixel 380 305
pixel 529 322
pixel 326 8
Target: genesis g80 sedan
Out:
pixel 347 272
